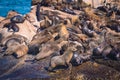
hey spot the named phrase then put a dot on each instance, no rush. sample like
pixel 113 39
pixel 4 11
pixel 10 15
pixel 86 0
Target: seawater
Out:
pixel 20 6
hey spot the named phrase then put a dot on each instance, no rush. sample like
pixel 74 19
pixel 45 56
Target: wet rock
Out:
pixel 88 70
pixel 115 64
pixel 93 71
pixel 7 63
pixel 27 70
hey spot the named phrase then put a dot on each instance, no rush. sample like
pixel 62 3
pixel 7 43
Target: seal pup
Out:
pixel 12 26
pixel 62 59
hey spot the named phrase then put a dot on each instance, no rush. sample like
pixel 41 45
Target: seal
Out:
pixel 62 59
pixel 38 12
pixel 45 23
pixel 12 26
pixel 18 38
pixel 17 19
pixel 37 40
pixel 78 58
pixel 88 32
pixel 17 50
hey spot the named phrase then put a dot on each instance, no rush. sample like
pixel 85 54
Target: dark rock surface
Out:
pixel 21 69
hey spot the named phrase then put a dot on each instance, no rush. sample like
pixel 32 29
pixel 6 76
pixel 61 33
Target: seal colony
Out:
pixel 69 36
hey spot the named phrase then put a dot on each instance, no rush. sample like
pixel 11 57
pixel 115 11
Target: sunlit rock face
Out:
pixel 95 3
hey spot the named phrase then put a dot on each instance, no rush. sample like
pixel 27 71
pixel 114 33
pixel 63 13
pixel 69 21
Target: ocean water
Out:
pixel 20 6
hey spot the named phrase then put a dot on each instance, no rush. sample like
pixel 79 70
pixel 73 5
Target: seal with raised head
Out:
pixel 62 59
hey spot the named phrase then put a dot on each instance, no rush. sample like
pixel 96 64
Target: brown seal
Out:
pixel 62 59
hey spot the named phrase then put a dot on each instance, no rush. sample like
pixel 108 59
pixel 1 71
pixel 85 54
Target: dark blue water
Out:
pixel 21 6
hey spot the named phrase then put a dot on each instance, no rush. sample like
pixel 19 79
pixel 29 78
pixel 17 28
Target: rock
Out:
pixel 1 18
pixel 8 64
pixel 115 64
pixel 94 71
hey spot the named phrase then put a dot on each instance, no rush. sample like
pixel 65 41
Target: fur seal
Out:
pixel 11 14
pixel 50 48
pixel 17 19
pixel 63 33
pixel 98 50
pixel 17 37
pixel 38 12
pixel 14 46
pixel 62 59
pixel 68 11
pixel 12 26
pixel 114 25
pixel 37 40
pixel 78 58
pixel 17 50
pixel 88 32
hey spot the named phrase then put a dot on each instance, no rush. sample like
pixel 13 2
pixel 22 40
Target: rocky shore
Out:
pixel 61 41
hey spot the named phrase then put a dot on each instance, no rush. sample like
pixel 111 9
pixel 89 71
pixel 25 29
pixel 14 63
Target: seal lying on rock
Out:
pixel 12 26
pixel 62 59
pixel 17 19
pixel 38 12
pixel 78 58
pixel 98 50
pixel 107 50
pixel 37 40
pixel 114 54
pixel 11 14
pixel 114 25
pixel 14 46
pixel 49 49
pixel 17 37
